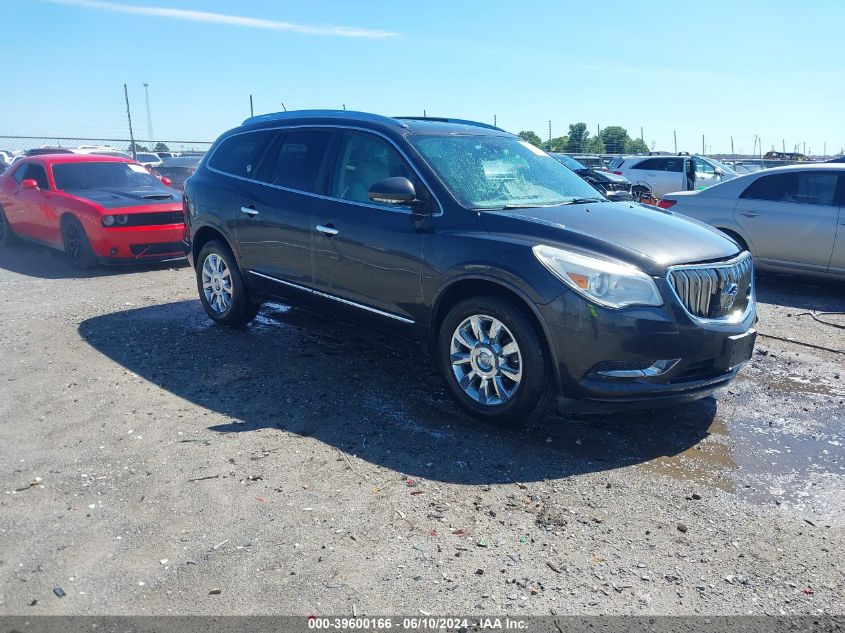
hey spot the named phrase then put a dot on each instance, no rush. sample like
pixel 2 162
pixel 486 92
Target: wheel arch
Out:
pixel 203 236
pixel 465 287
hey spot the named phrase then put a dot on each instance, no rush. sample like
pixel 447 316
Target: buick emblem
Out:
pixel 728 297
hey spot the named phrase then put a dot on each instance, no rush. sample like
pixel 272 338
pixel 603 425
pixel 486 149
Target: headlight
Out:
pixel 108 220
pixel 605 283
pixel 122 219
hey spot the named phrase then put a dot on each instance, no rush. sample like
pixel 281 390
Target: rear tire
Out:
pixel 78 251
pixel 494 360
pixel 223 293
pixel 7 236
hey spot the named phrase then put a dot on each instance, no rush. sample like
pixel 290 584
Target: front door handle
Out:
pixel 750 214
pixel 250 211
pixel 328 230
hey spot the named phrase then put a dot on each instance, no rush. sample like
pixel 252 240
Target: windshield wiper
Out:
pixel 584 200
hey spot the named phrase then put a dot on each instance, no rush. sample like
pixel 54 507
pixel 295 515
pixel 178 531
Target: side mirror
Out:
pixel 718 171
pixel 395 190
pixel 166 181
pixel 29 183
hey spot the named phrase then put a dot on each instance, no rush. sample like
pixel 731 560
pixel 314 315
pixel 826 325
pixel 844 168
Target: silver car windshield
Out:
pixel 500 172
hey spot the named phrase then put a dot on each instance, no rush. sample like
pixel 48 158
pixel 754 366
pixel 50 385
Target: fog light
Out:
pixel 113 251
pixel 633 369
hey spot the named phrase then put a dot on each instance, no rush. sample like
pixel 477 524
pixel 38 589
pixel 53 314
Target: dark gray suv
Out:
pixel 522 280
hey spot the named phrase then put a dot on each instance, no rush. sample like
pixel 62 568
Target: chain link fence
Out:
pixel 18 145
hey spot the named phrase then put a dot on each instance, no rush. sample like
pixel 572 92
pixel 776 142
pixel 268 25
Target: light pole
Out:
pixel 149 115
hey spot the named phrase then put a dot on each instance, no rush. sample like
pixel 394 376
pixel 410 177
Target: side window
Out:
pixel 362 161
pixel 673 164
pixel 239 154
pixel 703 167
pixel 773 188
pixel 18 176
pixel 816 188
pixel 804 187
pixel 35 172
pixel 650 164
pixel 295 159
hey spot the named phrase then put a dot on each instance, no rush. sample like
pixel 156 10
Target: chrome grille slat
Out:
pixel 701 288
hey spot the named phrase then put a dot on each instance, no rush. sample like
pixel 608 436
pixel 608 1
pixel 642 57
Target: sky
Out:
pixel 716 68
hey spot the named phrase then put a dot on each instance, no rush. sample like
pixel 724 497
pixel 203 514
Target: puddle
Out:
pixel 787 464
pixel 792 383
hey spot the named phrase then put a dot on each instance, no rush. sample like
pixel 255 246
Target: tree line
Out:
pixel 611 140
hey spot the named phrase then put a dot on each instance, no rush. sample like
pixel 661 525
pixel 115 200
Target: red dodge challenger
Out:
pixel 97 209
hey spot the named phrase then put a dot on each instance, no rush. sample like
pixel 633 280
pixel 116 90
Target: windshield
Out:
pixel 74 176
pixel 568 161
pixel 497 172
pixel 725 168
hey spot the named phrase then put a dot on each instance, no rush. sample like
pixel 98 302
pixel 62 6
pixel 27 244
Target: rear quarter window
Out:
pixel 239 154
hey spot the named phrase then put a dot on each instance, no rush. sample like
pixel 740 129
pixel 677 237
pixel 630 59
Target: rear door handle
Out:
pixel 328 230
pixel 250 211
pixel 750 214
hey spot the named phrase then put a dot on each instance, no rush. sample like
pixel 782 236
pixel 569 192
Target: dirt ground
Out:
pixel 153 463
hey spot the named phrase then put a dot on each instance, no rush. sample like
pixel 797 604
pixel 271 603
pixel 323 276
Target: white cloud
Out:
pixel 233 20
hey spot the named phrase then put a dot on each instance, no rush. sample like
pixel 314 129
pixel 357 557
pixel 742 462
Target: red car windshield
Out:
pixel 90 175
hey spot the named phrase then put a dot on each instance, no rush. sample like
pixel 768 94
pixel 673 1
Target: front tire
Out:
pixel 78 251
pixel 7 236
pixel 221 287
pixel 494 360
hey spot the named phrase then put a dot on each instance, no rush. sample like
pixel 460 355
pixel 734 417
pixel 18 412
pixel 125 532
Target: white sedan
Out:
pixel 792 219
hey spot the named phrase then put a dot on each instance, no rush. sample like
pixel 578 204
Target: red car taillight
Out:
pixel 666 203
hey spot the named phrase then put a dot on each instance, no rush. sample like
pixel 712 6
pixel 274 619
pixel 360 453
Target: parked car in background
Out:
pixel 41 151
pixel 523 281
pixel 663 174
pixel 178 170
pixel 94 208
pixel 592 161
pixel 148 159
pixel 616 188
pixel 791 218
pixel 165 155
pixel 6 157
pixel 838 159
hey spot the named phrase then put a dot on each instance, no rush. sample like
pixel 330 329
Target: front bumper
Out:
pixel 114 245
pixel 583 336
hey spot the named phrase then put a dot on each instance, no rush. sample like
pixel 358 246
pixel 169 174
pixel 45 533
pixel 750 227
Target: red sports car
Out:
pixel 97 209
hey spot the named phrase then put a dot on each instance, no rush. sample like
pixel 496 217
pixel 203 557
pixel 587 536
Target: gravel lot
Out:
pixel 152 463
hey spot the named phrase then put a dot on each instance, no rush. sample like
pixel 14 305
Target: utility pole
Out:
pixel 784 146
pixel 675 132
pixel 344 107
pixel 824 155
pixel 805 148
pixel 129 116
pixel 251 111
pixel 495 124
pixel 149 116
pixel 642 137
pixel 732 147
pixel 550 132
pixel 702 145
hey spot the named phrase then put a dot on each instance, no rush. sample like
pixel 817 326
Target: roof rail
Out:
pixel 341 114
pixel 448 120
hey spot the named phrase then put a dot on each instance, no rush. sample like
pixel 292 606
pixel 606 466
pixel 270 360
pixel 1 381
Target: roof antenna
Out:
pixel 424 114
pixel 283 106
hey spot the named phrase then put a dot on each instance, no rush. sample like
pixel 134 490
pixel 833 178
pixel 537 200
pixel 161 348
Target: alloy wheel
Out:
pixel 73 242
pixel 486 360
pixel 217 283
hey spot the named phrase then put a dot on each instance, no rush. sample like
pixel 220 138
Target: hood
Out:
pixel 650 239
pixel 120 198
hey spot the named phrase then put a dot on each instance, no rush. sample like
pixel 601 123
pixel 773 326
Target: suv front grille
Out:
pixel 721 291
